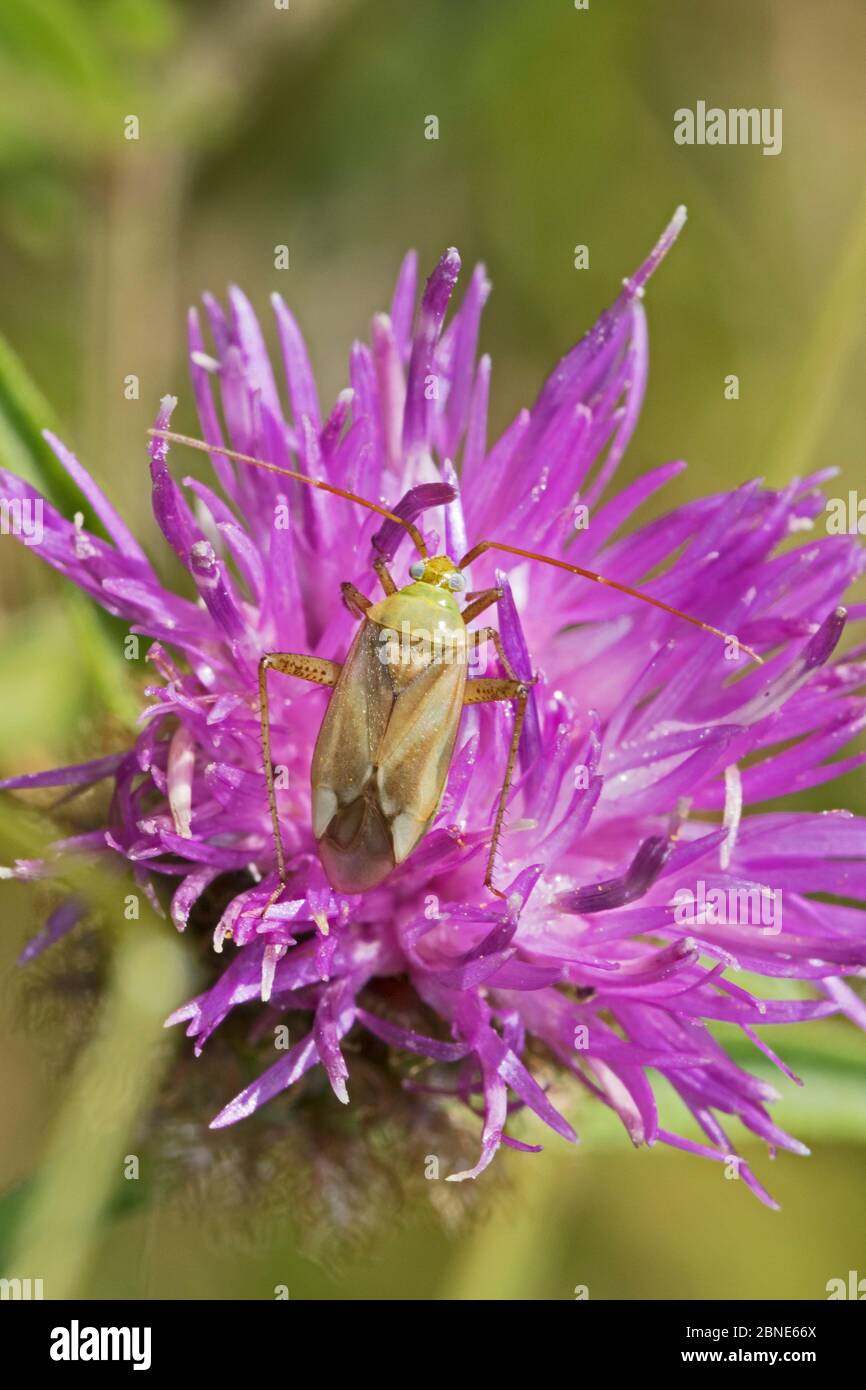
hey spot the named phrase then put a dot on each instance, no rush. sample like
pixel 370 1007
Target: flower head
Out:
pixel 640 873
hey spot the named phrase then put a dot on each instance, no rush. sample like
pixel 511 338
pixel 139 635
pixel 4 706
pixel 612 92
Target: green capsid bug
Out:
pixel 386 741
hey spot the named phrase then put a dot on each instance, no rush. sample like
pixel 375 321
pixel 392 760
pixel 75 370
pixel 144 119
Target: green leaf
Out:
pixel 24 414
pixel 12 1203
pixel 56 39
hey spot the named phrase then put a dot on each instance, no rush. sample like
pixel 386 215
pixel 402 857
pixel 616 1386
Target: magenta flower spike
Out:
pixel 643 877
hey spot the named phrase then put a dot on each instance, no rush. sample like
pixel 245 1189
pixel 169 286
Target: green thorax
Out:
pixel 419 605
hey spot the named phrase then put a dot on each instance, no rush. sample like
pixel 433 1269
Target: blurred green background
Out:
pixel 305 127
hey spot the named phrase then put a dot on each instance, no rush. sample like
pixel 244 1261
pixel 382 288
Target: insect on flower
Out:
pixel 383 752
pixel 645 782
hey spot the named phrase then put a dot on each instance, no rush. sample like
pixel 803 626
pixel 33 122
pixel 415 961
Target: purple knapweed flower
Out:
pixel 641 874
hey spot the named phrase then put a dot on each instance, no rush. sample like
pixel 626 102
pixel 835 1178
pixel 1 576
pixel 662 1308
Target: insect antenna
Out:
pixel 417 538
pixel 482 546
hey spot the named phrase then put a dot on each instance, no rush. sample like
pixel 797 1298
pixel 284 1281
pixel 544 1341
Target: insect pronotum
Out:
pixel 387 738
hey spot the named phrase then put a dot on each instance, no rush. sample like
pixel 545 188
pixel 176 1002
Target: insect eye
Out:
pixel 456 581
pixel 416 570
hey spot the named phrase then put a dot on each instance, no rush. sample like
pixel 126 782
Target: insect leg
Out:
pixel 385 579
pixel 489 634
pixel 356 602
pixel 307 668
pixel 486 692
pixel 479 602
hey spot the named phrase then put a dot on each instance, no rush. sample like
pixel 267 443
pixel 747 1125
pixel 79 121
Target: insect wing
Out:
pixel 352 729
pixel 416 751
pixel 382 758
